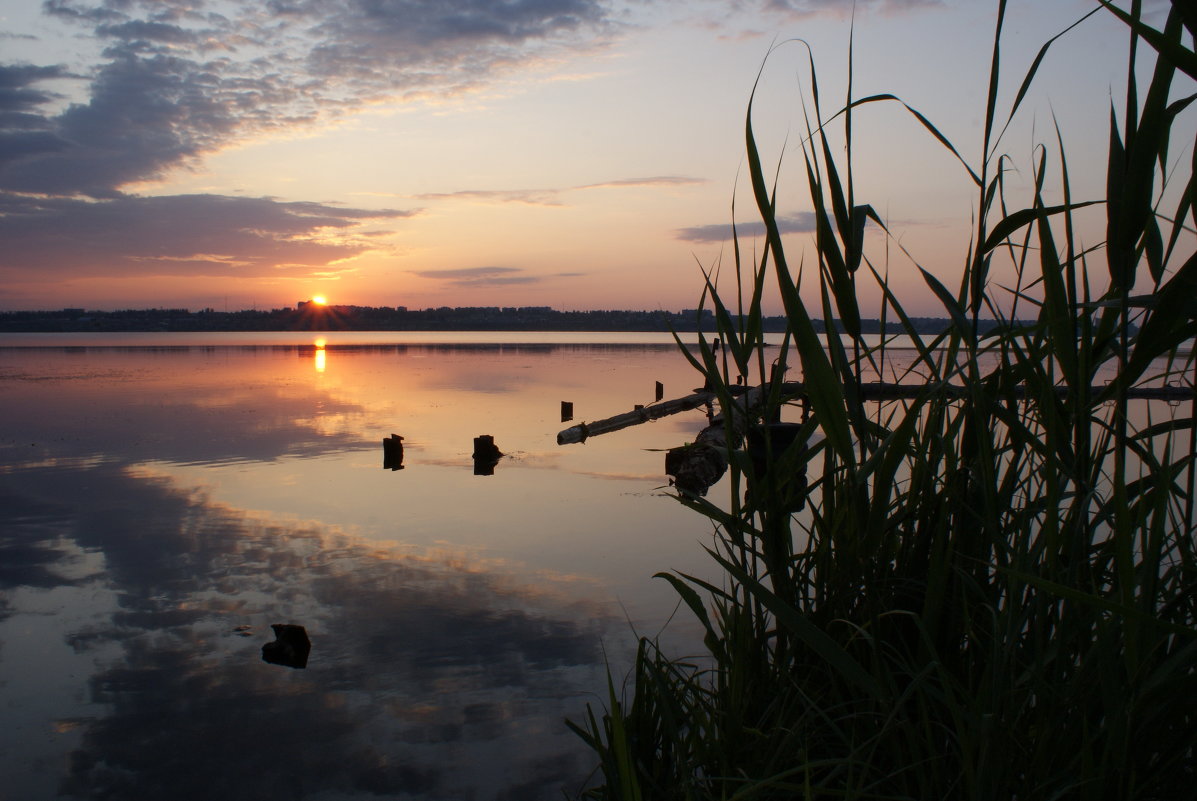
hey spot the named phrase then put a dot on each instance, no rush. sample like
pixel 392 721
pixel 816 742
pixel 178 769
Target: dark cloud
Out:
pixel 23 132
pixel 175 235
pixel 16 82
pixel 80 11
pixel 142 30
pixel 178 80
pixel 147 113
pixel 803 222
pixel 422 25
pixel 175 84
pixel 479 276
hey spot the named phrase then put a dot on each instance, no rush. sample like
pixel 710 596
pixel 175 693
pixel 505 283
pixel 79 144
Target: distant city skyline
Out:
pixel 579 154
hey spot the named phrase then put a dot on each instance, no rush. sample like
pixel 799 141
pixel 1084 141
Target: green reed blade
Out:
pixel 1168 45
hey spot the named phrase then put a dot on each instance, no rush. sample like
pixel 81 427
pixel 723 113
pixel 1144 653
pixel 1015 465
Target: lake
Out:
pixel 165 499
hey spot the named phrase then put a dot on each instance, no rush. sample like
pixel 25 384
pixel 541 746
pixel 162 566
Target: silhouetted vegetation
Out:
pixel 982 598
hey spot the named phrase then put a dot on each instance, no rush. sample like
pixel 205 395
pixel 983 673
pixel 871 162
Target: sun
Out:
pixel 319 300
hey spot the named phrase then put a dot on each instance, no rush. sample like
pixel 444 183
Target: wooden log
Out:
pixel 872 391
pixel 580 432
pixel 697 466
pixel 884 390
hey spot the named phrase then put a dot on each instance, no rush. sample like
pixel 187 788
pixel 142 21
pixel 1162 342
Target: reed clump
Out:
pixel 989 594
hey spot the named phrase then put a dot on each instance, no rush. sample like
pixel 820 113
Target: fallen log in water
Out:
pixel 643 414
pixel 697 466
pixel 872 391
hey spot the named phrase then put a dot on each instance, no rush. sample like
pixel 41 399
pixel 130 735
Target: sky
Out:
pixel 579 154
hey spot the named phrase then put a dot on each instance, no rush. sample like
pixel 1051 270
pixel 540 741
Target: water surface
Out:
pixel 164 499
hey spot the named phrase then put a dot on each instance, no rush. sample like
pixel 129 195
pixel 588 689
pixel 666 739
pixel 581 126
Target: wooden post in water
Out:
pixel 392 452
pixel 486 455
pixel 567 411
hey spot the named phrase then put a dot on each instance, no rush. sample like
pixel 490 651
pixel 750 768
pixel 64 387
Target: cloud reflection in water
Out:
pixel 155 501
pixel 428 677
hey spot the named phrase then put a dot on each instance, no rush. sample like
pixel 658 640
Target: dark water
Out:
pixel 162 505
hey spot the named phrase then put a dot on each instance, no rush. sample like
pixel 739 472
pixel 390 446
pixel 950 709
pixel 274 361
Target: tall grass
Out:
pixel 991 593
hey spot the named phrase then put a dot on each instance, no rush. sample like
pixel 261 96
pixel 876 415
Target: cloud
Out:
pixel 803 222
pixel 177 235
pixel 421 25
pixel 659 180
pixel 23 132
pixel 531 197
pixel 725 19
pixel 479 276
pixel 141 30
pixel 551 197
pixel 810 8
pixel 16 81
pixel 175 83
pixel 146 115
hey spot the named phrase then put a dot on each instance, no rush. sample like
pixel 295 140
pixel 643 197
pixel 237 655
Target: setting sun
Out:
pixel 319 300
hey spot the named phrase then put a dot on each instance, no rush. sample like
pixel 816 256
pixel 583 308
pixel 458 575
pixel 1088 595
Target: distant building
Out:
pixel 299 306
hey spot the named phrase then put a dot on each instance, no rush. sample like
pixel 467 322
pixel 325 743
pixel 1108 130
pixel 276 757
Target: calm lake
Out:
pixel 164 499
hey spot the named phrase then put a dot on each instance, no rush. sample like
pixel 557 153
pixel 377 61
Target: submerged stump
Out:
pixel 486 455
pixel 290 648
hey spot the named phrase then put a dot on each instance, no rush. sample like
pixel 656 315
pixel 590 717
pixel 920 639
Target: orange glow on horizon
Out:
pixel 319 300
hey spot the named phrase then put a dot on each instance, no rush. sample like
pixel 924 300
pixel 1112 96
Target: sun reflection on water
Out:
pixel 321 354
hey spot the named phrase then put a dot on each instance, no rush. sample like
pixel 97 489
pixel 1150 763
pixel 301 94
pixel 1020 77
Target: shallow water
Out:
pixel 165 499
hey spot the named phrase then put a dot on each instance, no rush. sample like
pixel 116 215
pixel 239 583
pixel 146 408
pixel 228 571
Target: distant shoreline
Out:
pixel 311 317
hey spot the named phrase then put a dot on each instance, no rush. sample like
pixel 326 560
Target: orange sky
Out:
pixel 579 154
